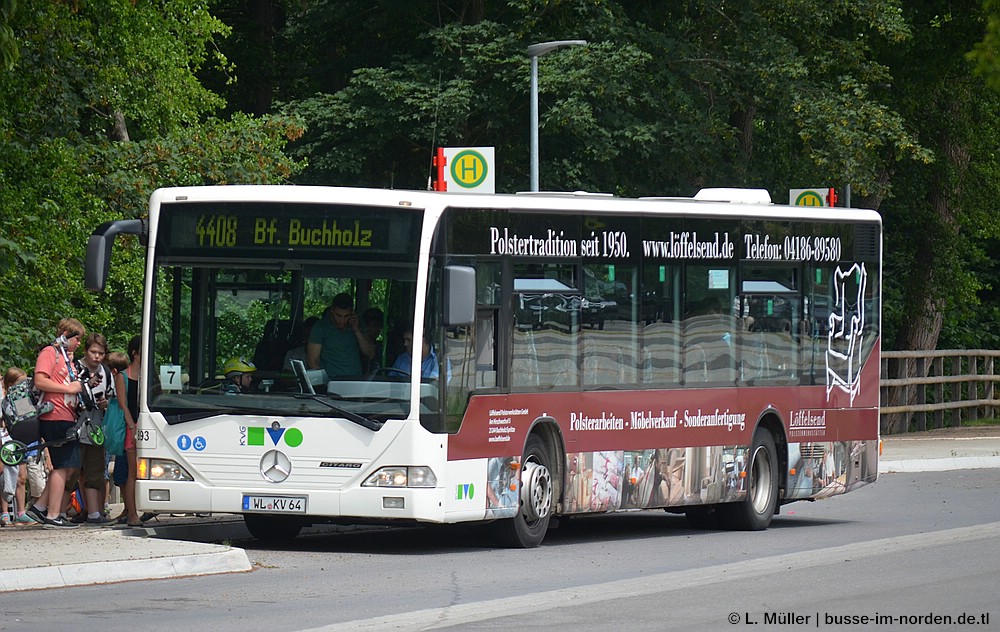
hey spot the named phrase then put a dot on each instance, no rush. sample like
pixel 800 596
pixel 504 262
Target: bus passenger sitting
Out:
pixel 239 376
pixel 429 366
pixel 374 322
pixel 299 352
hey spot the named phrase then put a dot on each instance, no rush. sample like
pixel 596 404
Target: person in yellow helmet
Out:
pixel 239 373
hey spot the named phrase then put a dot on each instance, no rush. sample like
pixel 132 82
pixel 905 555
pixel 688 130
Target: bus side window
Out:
pixel 709 327
pixel 546 339
pixel 708 348
pixel 485 353
pixel 524 368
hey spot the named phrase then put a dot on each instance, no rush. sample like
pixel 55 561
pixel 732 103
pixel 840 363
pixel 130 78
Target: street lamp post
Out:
pixel 534 52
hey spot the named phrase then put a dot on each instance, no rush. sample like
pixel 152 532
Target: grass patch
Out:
pixel 981 422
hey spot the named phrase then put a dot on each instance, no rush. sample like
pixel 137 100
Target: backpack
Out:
pixel 21 407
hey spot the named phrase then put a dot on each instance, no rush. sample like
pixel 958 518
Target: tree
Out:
pixel 8 43
pixel 935 231
pixel 102 107
pixel 985 53
pixel 666 98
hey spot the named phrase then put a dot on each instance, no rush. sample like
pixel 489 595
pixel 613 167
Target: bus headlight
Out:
pixel 161 470
pixel 402 476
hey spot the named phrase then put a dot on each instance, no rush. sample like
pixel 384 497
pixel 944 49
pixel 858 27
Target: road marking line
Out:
pixel 459 614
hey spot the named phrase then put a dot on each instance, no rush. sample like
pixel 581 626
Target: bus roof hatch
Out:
pixel 736 196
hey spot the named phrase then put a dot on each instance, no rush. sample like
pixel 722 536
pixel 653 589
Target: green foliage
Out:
pixel 667 97
pixel 239 329
pixel 83 68
pixel 940 224
pixel 985 54
pixel 8 43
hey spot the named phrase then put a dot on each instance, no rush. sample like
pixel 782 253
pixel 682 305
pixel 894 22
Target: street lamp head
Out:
pixel 537 50
pixel 534 52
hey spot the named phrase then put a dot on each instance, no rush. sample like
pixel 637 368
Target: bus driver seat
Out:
pixel 273 345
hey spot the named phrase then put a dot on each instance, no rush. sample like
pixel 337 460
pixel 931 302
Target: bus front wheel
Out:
pixel 272 528
pixel 754 513
pixel 527 529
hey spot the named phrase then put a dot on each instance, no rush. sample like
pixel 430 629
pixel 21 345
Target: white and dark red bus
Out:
pixel 715 356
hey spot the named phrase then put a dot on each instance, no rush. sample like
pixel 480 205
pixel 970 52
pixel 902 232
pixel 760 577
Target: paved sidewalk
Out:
pixel 32 557
pixel 968 447
pixel 176 546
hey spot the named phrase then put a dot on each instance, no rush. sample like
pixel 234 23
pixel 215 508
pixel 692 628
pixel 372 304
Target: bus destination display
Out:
pixel 228 228
pixel 224 231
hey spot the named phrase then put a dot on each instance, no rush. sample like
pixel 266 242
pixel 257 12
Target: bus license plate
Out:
pixel 275 504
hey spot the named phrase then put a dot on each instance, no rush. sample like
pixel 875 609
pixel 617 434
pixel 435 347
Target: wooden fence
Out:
pixel 921 390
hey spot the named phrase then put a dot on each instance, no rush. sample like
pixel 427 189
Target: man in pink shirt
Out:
pixel 55 379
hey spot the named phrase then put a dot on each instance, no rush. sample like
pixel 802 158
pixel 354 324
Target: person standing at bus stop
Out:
pixel 337 343
pixel 54 378
pixel 91 367
pixel 127 392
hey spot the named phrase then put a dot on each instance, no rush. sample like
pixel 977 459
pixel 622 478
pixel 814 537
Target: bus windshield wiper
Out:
pixel 205 413
pixel 361 420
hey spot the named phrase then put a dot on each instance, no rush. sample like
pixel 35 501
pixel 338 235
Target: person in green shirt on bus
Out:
pixel 337 343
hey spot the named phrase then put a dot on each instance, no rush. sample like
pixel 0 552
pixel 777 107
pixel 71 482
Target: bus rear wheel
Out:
pixel 527 529
pixel 754 513
pixel 272 528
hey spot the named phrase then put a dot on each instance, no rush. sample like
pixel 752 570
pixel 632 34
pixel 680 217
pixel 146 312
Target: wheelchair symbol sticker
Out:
pixel 184 442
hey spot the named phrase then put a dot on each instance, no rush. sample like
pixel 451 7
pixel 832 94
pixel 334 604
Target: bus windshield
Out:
pixel 239 289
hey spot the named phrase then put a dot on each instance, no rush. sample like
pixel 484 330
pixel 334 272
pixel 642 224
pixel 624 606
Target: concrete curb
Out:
pixel 961 448
pixel 35 558
pixel 938 465
pixel 205 562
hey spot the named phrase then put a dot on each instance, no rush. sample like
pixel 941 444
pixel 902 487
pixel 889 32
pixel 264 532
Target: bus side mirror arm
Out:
pixel 459 295
pixel 98 263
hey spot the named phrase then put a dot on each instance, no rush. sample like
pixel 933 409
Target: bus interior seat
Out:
pixel 608 358
pixel 661 352
pixel 273 345
pixel 708 352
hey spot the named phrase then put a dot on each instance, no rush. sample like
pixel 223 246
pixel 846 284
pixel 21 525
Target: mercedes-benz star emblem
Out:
pixel 275 466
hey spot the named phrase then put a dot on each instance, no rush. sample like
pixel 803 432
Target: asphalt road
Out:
pixel 911 545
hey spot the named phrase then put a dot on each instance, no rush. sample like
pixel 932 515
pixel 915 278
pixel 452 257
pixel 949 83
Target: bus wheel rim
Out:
pixel 536 491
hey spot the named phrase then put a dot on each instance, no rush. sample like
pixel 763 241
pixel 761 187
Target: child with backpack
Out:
pixel 18 404
pixel 21 406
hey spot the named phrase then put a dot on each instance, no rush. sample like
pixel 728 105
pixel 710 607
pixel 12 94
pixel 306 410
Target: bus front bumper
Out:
pixel 364 503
